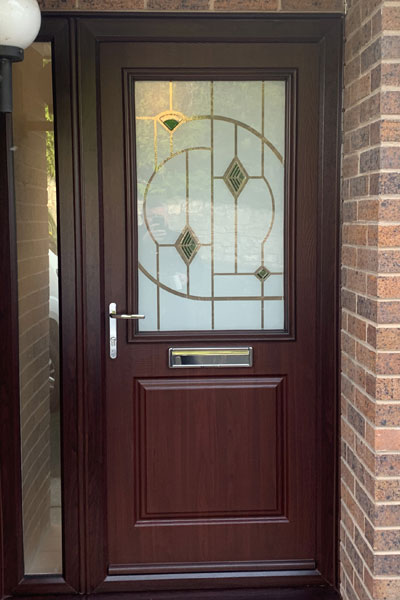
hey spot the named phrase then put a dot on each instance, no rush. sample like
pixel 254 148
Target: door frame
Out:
pixel 76 37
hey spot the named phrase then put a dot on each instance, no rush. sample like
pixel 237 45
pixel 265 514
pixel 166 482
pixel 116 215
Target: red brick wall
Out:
pixel 370 536
pixel 198 5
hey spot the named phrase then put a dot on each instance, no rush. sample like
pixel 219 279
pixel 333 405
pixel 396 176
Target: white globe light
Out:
pixel 19 22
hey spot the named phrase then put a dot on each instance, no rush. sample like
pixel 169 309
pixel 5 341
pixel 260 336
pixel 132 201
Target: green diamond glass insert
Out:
pixel 262 273
pixel 236 177
pixel 187 245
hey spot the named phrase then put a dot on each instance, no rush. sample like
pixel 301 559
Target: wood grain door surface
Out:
pixel 211 471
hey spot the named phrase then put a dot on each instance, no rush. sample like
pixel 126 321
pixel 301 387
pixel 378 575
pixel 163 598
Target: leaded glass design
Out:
pixel 210 201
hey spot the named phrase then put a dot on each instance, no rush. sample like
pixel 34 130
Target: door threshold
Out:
pixel 303 593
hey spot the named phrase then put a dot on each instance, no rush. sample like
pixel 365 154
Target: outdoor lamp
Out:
pixel 19 26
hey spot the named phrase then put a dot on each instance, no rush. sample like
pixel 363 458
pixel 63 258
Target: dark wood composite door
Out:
pixel 213 474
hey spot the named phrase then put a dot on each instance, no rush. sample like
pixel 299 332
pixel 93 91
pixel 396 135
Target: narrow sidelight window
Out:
pixel 38 303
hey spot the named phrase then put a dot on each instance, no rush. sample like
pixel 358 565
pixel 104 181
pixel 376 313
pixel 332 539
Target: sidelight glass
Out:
pixel 38 304
pixel 210 163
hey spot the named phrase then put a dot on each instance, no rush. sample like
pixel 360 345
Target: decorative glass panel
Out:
pixel 210 182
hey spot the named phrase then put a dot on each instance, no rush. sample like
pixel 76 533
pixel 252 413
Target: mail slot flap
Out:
pixel 210 357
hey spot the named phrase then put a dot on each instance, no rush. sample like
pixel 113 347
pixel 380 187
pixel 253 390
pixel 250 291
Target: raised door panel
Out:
pixel 209 449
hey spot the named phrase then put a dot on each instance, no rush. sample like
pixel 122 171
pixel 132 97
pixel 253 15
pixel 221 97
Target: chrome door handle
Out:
pixel 125 317
pixel 112 323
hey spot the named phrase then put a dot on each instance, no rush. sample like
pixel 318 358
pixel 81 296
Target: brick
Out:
pixel 376 77
pixel 387 389
pixel 351 118
pixel 365 406
pixel 357 327
pixel 390 47
pixel 388 339
pixel 367 308
pixel 371 55
pixel 110 4
pixel 385 540
pixel 367 258
pixel 349 300
pixel 365 356
pixel 387 439
pixel 360 138
pixel 385 183
pixel 371 107
pixel 355 419
pixel 389 261
pixel 390 74
pixel 390 103
pixel 352 70
pixel 390 19
pixel 368 210
pixel 313 5
pixel 348 345
pixel 388 363
pixel 388 465
pixel 359 186
pixel 370 160
pixel 388 490
pixel 359 89
pixel 355 234
pixel 353 20
pixel 349 256
pixel 366 455
pixel 377 23
pixel 389 210
pixel 57 4
pixel 354 555
pixel 385 131
pixel 350 165
pixel 389 235
pixel 349 211
pixel 390 158
pixel 386 589
pixel 388 312
pixel 246 5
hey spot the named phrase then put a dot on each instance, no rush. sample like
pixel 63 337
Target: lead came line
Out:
pixel 212 205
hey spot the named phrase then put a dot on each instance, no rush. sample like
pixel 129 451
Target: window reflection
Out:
pixel 38 286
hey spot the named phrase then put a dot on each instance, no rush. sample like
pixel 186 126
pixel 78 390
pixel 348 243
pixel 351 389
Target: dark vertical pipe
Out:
pixel 10 464
pixel 5 85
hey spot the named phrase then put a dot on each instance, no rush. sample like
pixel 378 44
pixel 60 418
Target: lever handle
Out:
pixel 113 335
pixel 125 317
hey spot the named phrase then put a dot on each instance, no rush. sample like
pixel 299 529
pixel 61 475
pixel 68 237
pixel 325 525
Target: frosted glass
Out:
pixel 183 314
pixel 200 273
pixel 194 134
pixel 239 100
pixel 173 271
pixel 274 314
pixel 237 285
pixel 192 97
pixel 210 204
pixel 237 315
pixel 147 303
pixel 199 194
pixel 274 107
pixel 224 229
pixel 224 146
pixel 253 222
